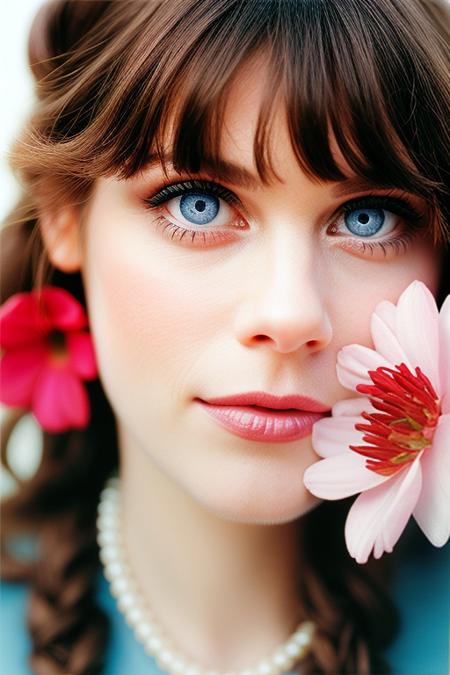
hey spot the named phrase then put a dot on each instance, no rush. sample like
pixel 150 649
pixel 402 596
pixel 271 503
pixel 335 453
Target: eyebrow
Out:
pixel 240 176
pixel 357 184
pixel 220 168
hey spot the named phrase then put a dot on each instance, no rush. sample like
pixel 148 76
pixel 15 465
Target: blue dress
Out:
pixel 421 590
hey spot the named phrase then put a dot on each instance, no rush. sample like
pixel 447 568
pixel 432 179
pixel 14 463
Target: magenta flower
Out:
pixel 46 354
pixel 392 444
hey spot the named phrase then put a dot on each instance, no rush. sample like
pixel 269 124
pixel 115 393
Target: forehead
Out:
pixel 243 102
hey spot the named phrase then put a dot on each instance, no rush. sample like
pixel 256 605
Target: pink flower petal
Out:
pixel 20 321
pixel 60 401
pixel 63 309
pixel 386 310
pixel 353 362
pixel 384 337
pixel 352 407
pixel 332 435
pixel 19 369
pixel 432 511
pixel 445 403
pixel 340 476
pixel 82 355
pixel 444 353
pixel 417 329
pixel 416 334
pixel 378 517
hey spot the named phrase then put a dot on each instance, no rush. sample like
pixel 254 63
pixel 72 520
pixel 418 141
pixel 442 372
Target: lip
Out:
pixel 270 425
pixel 262 399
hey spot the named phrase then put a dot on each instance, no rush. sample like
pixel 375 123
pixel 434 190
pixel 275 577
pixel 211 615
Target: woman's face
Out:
pixel 264 306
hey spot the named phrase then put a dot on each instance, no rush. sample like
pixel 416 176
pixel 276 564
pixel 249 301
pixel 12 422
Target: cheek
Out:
pixel 132 307
pixel 149 315
pixel 359 287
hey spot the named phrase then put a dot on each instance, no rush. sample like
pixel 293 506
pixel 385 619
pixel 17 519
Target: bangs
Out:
pixel 354 70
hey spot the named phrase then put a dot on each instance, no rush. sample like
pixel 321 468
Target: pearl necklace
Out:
pixel 140 618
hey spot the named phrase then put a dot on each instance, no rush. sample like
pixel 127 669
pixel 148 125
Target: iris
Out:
pixel 365 222
pixel 200 208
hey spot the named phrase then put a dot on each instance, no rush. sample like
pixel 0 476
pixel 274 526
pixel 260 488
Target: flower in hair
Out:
pixel 46 353
pixel 391 443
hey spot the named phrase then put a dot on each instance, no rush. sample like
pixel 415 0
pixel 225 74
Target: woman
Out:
pixel 210 267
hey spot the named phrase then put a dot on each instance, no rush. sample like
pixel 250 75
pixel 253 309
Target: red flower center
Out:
pixel 405 427
pixel 58 347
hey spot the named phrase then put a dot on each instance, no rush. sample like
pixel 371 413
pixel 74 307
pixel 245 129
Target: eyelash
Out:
pixel 400 207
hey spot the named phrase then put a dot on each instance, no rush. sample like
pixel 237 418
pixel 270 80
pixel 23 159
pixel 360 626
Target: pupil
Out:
pixel 363 218
pixel 200 205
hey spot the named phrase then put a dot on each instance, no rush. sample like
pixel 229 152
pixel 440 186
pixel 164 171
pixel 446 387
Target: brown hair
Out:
pixel 110 75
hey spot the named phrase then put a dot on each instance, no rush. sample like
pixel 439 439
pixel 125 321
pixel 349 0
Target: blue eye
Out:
pixel 208 206
pixel 364 222
pixel 199 207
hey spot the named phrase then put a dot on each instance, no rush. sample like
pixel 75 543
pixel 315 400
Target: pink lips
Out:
pixel 262 417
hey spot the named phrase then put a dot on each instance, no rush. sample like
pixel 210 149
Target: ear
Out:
pixel 62 240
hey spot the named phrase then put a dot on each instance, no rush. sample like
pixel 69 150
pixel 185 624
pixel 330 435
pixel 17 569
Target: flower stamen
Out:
pixel 410 409
pixel 58 347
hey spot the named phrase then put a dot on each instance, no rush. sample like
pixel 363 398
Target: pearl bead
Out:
pixel 281 659
pixel 107 507
pixel 302 639
pixel 192 670
pixel 144 630
pixel 115 568
pixel 135 615
pixel 178 666
pixel 113 556
pixel 110 553
pixel 120 585
pixel 107 538
pixel 154 642
pixel 109 495
pixel 106 521
pixel 166 658
pixel 293 649
pixel 126 601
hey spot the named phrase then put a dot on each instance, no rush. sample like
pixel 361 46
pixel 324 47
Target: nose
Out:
pixel 286 306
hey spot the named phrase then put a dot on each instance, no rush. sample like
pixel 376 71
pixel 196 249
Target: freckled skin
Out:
pixel 172 322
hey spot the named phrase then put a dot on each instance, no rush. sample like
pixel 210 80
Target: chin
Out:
pixel 269 509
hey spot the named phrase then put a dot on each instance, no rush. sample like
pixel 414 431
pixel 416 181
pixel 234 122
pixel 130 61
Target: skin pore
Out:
pixel 210 519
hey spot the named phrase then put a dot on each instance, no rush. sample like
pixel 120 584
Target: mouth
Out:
pixel 266 401
pixel 263 424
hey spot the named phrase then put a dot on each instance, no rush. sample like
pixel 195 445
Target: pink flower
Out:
pixel 46 355
pixel 393 444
